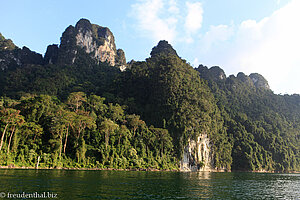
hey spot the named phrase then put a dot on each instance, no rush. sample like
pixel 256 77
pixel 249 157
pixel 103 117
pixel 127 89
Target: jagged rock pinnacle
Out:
pixel 97 41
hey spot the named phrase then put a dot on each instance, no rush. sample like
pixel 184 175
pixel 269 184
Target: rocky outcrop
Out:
pixel 253 80
pixel 96 41
pixel 6 44
pixel 163 47
pixel 197 155
pixel 51 55
pixel 244 78
pixel 259 81
pixel 121 60
pixel 11 59
pixel 214 73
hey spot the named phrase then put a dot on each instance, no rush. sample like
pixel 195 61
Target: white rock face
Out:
pixel 97 41
pixel 221 76
pixel 122 68
pixel 254 79
pixel 102 53
pixel 197 152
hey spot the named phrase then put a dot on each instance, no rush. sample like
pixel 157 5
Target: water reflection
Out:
pixel 151 185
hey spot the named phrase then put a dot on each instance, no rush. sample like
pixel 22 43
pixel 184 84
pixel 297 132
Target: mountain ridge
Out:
pixel 159 113
pixel 96 41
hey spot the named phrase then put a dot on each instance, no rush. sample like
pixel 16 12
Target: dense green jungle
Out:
pixel 71 108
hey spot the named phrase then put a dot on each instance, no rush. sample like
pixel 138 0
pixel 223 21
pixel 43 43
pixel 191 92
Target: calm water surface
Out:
pixel 150 185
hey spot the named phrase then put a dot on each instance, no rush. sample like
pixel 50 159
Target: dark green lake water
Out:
pixel 149 185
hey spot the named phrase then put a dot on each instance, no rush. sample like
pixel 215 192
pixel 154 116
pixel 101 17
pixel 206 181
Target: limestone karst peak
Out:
pixel 97 41
pixel 213 73
pixel 163 47
pixel 83 24
pixel 259 81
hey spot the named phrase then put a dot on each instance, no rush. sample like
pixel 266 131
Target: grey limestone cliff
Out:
pixel 197 155
pixel 97 41
pixel 12 56
pixel 259 81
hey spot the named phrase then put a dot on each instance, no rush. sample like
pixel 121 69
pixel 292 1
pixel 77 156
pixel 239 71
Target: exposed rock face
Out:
pixel 197 155
pixel 254 80
pixel 214 73
pixel 120 59
pixel 95 40
pixel 217 74
pixel 259 81
pixel 163 47
pixel 51 55
pixel 244 78
pixel 17 57
pixel 27 56
pixel 6 44
pixel 11 56
pixel 67 49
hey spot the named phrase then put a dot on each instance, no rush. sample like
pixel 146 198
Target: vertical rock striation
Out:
pixel 97 41
pixel 197 155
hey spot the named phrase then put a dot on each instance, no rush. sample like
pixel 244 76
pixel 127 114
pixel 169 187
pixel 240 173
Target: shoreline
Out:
pixel 86 169
pixel 149 169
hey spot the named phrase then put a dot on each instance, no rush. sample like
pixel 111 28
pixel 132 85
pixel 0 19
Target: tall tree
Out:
pixel 17 121
pixel 76 101
pixel 107 127
pixel 8 116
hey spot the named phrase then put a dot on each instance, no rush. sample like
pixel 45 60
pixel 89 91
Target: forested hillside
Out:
pixel 78 107
pixel 264 126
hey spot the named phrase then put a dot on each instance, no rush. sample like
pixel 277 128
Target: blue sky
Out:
pixel 248 36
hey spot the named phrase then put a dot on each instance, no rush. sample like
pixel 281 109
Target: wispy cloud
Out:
pixel 151 20
pixel 215 35
pixel 193 20
pixel 165 19
pixel 269 46
pixel 173 7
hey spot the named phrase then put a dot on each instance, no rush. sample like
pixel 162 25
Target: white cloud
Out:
pixel 173 7
pixel 270 47
pixel 195 62
pixel 153 22
pixel 215 35
pixel 166 19
pixel 193 21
